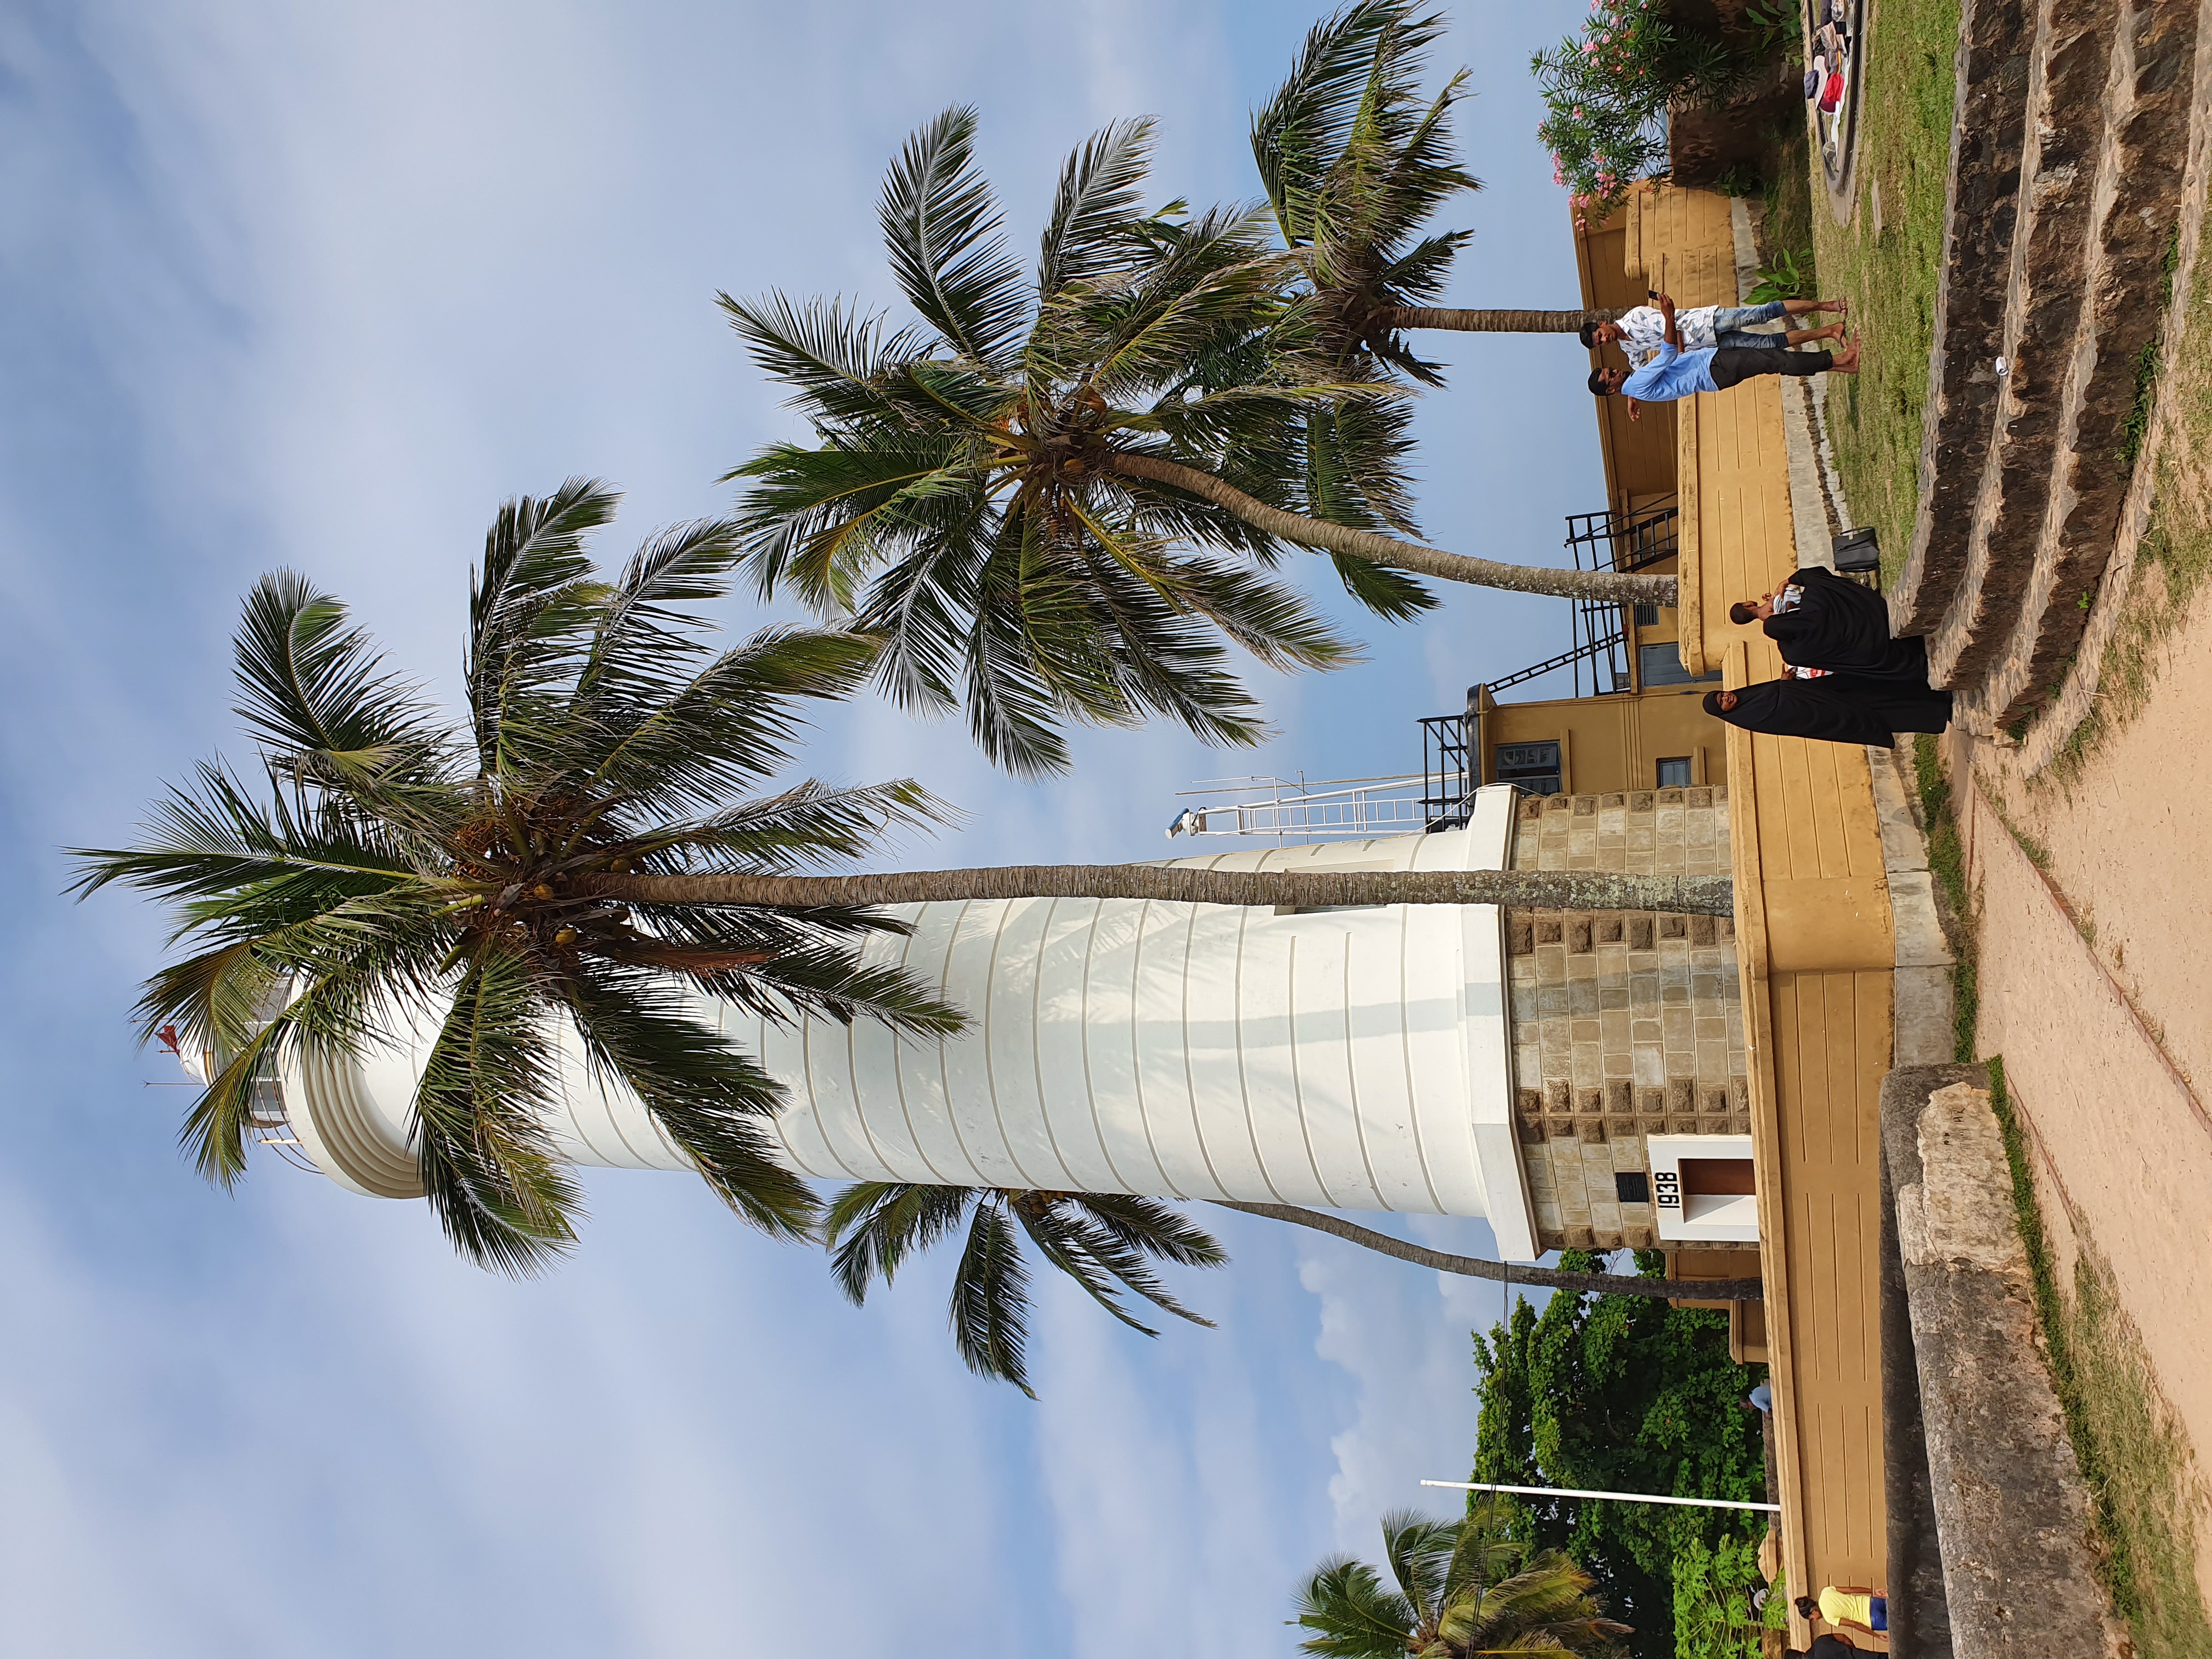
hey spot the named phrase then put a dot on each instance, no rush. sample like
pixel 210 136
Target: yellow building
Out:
pixel 1814 939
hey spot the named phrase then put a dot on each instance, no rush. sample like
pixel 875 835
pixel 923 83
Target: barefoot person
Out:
pixel 1675 373
pixel 1640 332
pixel 1819 620
pixel 1837 708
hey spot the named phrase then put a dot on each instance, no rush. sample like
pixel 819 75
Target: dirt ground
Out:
pixel 2104 1015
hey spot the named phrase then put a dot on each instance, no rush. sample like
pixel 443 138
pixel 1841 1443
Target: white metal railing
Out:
pixel 1281 809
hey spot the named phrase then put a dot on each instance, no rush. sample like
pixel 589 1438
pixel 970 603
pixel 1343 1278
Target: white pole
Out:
pixel 1625 1497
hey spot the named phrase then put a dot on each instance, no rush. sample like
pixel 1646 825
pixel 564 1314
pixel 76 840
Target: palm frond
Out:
pixel 941 226
pixel 1299 134
pixel 1417 1549
pixel 874 1227
pixel 835 361
pixel 487 1160
pixel 532 608
pixel 681 746
pixel 1089 233
pixel 990 1304
pixel 313 690
pixel 1353 1616
pixel 714 1101
pixel 1096 1257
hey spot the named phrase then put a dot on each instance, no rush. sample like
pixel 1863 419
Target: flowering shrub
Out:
pixel 1606 96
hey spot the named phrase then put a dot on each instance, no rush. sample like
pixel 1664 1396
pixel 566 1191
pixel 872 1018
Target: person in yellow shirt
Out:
pixel 1848 1607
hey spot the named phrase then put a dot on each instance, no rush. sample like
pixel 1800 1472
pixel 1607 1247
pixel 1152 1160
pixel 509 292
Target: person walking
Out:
pixel 1675 373
pixel 1640 332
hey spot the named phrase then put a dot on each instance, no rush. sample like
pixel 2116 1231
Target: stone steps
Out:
pixel 2069 67
pixel 2068 191
pixel 2137 204
pixel 2049 730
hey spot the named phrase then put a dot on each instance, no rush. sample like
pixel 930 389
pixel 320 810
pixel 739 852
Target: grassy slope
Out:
pixel 1889 276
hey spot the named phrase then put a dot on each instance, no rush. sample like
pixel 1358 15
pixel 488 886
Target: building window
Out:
pixel 1533 766
pixel 1647 615
pixel 1662 666
pixel 1675 772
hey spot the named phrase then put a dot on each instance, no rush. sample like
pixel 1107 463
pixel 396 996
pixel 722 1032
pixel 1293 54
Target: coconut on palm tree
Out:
pixel 576 887
pixel 1458 1588
pixel 1054 499
pixel 1355 162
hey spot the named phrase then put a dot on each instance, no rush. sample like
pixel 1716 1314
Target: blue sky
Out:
pixel 321 286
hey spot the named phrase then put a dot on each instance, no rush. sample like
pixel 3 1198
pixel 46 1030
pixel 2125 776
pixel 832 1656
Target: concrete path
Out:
pixel 2102 1040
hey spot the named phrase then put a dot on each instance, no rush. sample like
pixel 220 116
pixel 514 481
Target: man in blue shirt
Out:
pixel 1675 373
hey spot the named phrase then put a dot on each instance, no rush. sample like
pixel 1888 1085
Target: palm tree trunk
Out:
pixel 1495 322
pixel 1688 1289
pixel 1610 586
pixel 1533 890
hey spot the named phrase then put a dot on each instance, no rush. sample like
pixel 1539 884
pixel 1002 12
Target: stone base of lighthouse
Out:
pixel 1627 1029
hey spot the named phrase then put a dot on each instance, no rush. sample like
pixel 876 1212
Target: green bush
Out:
pixel 1606 96
pixel 1713 1617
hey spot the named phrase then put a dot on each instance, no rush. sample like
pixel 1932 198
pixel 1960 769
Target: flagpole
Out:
pixel 1623 1496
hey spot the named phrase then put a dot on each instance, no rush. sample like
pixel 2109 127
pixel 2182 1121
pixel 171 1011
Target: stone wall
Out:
pixel 1624 1025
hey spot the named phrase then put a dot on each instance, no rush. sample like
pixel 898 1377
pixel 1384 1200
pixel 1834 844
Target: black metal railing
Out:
pixel 1635 540
pixel 1451 769
pixel 1598 631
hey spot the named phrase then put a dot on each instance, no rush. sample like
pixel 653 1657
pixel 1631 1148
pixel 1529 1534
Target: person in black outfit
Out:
pixel 1818 619
pixel 1842 707
pixel 1850 679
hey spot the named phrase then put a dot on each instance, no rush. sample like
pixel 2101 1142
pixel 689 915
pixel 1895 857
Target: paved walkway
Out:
pixel 2096 986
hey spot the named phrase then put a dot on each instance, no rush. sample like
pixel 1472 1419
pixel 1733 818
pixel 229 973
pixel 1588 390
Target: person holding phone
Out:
pixel 1675 373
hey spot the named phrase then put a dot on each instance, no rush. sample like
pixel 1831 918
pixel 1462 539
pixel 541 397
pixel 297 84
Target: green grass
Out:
pixel 1785 218
pixel 1788 198
pixel 2134 1459
pixel 1947 863
pixel 1889 276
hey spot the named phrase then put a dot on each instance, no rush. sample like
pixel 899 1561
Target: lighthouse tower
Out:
pixel 1354 1057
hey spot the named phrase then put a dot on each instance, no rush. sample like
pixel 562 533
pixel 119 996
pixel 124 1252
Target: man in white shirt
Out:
pixel 1640 332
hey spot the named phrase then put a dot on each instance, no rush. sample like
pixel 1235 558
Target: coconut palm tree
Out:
pixel 1355 163
pixel 584 852
pixel 1460 1589
pixel 1011 494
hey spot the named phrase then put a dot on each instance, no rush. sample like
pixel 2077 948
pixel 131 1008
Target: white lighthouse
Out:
pixel 1352 1059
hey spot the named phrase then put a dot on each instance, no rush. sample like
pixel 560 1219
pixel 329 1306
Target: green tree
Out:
pixel 1054 499
pixel 1356 162
pixel 1458 1588
pixel 1619 1394
pixel 1606 96
pixel 584 852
